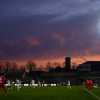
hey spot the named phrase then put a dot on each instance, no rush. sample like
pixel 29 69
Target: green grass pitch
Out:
pixel 49 93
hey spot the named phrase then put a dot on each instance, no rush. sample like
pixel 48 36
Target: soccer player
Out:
pixel 2 83
pixel 8 84
pixel 69 84
pixel 18 84
pixel 32 83
pixel 89 84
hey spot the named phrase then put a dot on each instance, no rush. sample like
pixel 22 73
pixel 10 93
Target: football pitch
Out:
pixel 51 93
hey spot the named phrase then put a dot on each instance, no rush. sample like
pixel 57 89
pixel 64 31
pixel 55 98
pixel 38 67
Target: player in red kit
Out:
pixel 2 83
pixel 89 84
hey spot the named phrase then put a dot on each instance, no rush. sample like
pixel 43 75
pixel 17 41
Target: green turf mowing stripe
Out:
pixel 48 93
pixel 92 94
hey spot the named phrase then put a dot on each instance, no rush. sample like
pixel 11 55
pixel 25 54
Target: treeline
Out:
pixel 29 71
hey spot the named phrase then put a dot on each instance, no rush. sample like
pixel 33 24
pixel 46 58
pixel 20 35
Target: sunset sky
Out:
pixel 49 30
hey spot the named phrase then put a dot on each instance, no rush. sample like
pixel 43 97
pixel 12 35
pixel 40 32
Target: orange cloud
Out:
pixel 80 59
pixel 42 62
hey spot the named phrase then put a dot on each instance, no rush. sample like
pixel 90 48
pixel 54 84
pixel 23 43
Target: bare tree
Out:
pixel 31 66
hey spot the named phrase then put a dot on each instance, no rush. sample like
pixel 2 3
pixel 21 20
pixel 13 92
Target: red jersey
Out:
pixel 87 81
pixel 89 84
pixel 2 79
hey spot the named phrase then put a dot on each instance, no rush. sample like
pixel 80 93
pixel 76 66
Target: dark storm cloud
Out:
pixel 37 28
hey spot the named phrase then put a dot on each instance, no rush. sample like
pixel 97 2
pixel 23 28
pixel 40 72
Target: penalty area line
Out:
pixel 92 94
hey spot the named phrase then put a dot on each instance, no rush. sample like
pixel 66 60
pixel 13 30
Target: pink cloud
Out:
pixel 33 41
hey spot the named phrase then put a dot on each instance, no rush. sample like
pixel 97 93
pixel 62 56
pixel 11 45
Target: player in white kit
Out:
pixel 69 84
pixel 18 84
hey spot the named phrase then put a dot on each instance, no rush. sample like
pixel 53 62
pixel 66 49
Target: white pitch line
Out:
pixel 92 94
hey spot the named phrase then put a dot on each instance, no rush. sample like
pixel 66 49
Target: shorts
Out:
pixel 2 86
